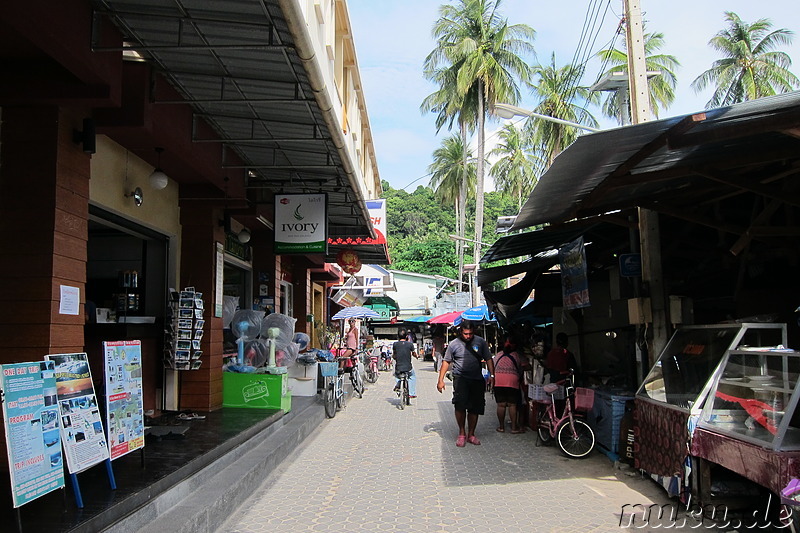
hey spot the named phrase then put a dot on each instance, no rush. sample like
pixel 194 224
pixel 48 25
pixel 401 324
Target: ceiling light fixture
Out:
pixel 158 179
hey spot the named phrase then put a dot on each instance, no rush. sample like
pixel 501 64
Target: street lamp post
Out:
pixel 509 111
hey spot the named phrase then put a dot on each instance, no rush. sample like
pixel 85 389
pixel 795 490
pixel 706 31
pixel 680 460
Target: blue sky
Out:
pixel 393 37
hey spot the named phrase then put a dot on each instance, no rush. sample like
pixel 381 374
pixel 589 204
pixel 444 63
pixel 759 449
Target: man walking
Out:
pixel 466 355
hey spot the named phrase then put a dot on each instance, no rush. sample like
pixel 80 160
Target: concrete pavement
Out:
pixel 376 468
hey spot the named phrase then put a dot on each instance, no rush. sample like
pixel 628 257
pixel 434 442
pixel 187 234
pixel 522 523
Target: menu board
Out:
pixel 124 401
pixel 31 429
pixel 82 432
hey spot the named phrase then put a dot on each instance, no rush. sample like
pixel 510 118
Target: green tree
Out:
pixel 750 66
pixel 482 48
pixel 661 87
pixel 452 163
pixel 515 172
pixel 559 96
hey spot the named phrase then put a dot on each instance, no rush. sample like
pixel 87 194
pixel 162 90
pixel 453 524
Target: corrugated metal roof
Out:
pixel 667 164
pixel 236 63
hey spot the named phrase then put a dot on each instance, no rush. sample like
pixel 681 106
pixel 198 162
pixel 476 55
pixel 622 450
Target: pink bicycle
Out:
pixel 574 436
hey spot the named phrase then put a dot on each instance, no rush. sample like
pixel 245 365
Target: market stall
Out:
pixel 670 400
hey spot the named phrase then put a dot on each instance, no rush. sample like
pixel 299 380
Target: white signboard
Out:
pixel 82 431
pixel 377 214
pixel 300 223
pixel 124 401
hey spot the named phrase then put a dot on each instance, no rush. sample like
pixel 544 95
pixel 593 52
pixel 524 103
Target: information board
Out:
pixel 82 432
pixel 124 400
pixel 31 427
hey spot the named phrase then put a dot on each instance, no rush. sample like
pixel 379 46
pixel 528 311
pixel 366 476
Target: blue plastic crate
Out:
pixel 605 418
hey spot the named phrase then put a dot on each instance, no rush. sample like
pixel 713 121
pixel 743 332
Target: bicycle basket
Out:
pixel 537 394
pixel 328 370
pixel 584 399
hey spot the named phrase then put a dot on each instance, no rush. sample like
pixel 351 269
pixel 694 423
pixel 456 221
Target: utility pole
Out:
pixel 649 232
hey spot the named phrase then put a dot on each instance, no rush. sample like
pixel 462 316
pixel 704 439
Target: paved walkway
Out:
pixel 376 468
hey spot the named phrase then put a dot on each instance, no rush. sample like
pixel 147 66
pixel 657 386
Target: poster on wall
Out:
pixel 574 281
pixel 300 223
pixel 377 215
pixel 124 397
pixel 31 417
pixel 82 431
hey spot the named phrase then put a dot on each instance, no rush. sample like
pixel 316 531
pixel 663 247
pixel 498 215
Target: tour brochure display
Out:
pixel 82 431
pixel 32 423
pixel 124 402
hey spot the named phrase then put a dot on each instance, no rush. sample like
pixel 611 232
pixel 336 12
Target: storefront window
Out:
pixel 286 302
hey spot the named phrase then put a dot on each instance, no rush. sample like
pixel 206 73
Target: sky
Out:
pixel 393 37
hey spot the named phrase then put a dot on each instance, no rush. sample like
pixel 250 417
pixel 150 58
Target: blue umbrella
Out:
pixel 478 314
pixel 420 318
pixel 355 312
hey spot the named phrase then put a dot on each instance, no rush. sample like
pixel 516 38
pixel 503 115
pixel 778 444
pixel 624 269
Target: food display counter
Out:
pixel 670 400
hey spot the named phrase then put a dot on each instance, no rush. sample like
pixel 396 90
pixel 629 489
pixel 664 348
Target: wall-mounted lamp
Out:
pixel 244 236
pixel 86 137
pixel 137 195
pixel 158 179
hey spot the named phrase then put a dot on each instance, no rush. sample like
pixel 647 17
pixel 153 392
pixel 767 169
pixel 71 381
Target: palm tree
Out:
pixel 448 171
pixel 751 67
pixel 559 96
pixel 515 172
pixel 661 87
pixel 482 49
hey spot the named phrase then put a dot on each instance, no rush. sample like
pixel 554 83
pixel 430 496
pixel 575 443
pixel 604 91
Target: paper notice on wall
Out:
pixel 31 422
pixel 70 300
pixel 82 431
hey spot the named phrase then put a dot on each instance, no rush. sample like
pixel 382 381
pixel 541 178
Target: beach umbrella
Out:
pixel 446 318
pixel 355 312
pixel 480 313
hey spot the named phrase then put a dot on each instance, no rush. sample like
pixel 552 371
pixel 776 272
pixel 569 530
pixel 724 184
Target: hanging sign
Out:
pixel 82 431
pixel 301 223
pixel 630 265
pixel 124 400
pixel 31 423
pixel 377 215
pixel 574 280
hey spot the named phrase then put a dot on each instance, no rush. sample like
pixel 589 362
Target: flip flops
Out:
pixel 474 440
pixel 190 416
pixel 461 441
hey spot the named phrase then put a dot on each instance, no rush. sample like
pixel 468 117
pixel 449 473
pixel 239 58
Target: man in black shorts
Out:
pixel 466 354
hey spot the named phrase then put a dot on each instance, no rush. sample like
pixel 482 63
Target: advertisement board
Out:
pixel 301 223
pixel 82 431
pixel 124 400
pixel 31 423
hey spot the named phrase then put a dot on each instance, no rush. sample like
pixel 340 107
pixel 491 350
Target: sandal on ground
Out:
pixel 501 430
pixel 474 440
pixel 517 431
pixel 461 441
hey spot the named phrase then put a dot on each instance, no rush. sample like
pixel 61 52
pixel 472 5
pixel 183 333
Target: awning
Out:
pixel 241 67
pixel 679 166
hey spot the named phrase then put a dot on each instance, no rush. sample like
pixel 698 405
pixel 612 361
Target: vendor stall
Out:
pixel 670 400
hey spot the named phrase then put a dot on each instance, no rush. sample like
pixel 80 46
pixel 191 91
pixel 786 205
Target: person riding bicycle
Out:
pixel 402 351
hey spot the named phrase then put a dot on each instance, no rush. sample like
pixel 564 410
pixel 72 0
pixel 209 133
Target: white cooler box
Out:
pixel 303 379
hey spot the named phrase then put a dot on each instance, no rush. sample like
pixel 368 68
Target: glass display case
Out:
pixel 754 398
pixel 684 372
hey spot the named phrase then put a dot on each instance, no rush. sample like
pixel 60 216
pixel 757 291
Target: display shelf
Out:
pixel 184 330
pixel 760 407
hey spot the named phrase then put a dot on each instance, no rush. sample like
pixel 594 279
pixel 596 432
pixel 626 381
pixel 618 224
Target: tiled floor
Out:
pixel 166 460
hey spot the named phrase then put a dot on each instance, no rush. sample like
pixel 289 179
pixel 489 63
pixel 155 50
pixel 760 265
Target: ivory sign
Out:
pixel 301 223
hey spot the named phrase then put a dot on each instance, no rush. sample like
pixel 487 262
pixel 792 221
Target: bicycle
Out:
pixel 386 361
pixel 402 390
pixel 371 373
pixel 574 436
pixel 355 375
pixel 333 393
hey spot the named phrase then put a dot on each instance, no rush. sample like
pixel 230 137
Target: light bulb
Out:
pixel 158 180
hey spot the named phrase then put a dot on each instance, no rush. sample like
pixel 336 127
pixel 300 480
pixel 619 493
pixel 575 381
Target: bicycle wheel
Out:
pixel 330 400
pixel 543 423
pixel 341 397
pixel 371 373
pixel 358 384
pixel 406 398
pixel 578 444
